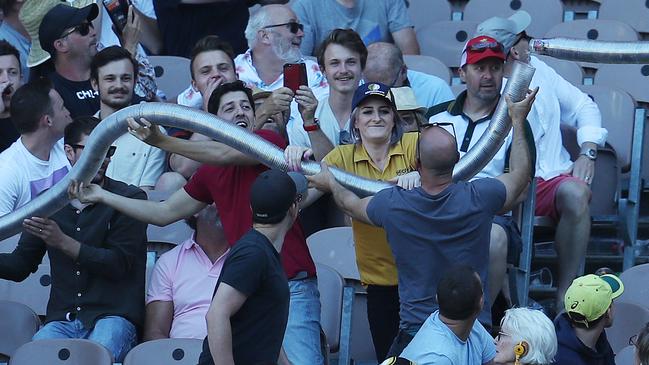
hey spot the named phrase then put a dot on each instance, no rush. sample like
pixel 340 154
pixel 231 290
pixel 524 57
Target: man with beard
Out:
pixel 10 80
pixel 36 161
pixel 226 179
pixel 97 256
pixel 112 74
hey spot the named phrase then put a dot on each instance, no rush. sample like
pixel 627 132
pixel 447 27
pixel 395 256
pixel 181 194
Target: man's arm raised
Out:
pixel 520 163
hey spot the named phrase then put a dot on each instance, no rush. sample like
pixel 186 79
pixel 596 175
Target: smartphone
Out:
pixel 295 75
pixel 118 12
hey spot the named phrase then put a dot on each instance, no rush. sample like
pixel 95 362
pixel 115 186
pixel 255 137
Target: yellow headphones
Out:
pixel 520 350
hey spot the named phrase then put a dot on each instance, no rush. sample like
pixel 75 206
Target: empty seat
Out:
pixel 618 111
pixel 8 244
pixel 629 320
pixel 545 14
pixel 168 351
pixel 633 12
pixel 335 247
pixel 330 285
pixel 18 323
pixel 445 40
pixel 594 29
pixel 33 291
pixel 626 356
pixel 174 233
pixel 428 65
pixel 424 12
pixel 636 289
pixel 172 74
pixel 62 352
pixel 569 70
pixel 630 78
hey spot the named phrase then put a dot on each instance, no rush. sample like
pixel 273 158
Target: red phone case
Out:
pixel 294 75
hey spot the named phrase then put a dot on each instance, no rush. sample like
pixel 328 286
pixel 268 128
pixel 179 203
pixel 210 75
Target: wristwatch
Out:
pixel 591 153
pixel 313 127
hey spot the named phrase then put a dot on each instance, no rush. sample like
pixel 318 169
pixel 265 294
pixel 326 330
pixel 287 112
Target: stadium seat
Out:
pixel 8 244
pixel 172 74
pixel 545 14
pixel 626 356
pixel 62 352
pixel 618 109
pixel 18 324
pixel 636 290
pixel 423 12
pixel 330 285
pixel 569 70
pixel 168 351
pixel 33 291
pixel 445 40
pixel 335 247
pixel 629 320
pixel 174 233
pixel 633 12
pixel 594 29
pixel 429 65
pixel 630 78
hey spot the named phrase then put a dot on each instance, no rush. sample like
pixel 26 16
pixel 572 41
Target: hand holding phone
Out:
pixel 295 76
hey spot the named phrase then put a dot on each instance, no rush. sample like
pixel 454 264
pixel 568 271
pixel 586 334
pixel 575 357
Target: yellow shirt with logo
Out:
pixel 373 255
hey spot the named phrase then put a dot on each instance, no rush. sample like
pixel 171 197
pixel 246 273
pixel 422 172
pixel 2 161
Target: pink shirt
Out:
pixel 186 277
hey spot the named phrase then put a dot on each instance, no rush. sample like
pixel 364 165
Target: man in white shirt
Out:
pixel 36 161
pixel 112 75
pixel 563 187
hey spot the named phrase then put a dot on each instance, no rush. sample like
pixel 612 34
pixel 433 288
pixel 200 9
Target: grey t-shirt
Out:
pixel 373 20
pixel 429 233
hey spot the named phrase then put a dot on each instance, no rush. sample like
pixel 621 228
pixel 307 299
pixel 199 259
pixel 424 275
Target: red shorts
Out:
pixel 546 192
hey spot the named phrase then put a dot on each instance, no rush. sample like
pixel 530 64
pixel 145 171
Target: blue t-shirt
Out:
pixel 435 343
pixel 429 233
pixel 429 90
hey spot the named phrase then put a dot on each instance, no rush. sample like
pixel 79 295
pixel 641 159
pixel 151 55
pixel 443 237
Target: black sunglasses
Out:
pixel 293 27
pixel 483 46
pixel 83 29
pixel 109 153
pixel 447 126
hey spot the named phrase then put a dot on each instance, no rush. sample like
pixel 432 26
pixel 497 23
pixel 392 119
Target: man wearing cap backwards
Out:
pixel 67 36
pixel 439 223
pixel 563 187
pixel 589 310
pixel 482 71
pixel 248 315
pixel 226 179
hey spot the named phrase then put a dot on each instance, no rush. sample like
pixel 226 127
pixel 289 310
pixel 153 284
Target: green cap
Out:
pixel 590 296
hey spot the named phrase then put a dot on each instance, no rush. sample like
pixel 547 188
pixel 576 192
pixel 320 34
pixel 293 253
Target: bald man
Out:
pixel 385 64
pixel 440 223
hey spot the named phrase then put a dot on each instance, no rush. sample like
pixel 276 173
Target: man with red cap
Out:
pixel 481 68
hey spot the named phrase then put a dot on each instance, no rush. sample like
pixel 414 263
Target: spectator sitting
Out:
pixel 36 161
pixel 183 280
pixel 342 58
pixel 451 335
pixel 589 310
pixel 385 64
pixel 269 118
pixel 13 31
pixel 526 337
pixel 412 114
pixel 563 188
pixel 641 342
pixel 97 257
pixel 113 76
pixel 375 21
pixel 67 35
pixel 10 80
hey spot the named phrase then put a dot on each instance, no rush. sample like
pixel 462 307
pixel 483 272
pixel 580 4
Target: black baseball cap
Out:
pixel 60 18
pixel 273 193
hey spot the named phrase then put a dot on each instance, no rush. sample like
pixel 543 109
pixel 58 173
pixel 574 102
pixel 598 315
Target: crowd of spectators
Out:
pixel 432 252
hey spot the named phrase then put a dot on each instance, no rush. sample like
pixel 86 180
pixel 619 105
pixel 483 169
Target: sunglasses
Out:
pixel 109 153
pixel 633 340
pixel 344 137
pixel 483 46
pixel 83 29
pixel 293 27
pixel 447 126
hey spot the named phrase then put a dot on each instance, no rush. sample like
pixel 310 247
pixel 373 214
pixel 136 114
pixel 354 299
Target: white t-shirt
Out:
pixel 24 176
pixel 328 125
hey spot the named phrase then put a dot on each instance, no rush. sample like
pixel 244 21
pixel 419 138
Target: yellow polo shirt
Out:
pixel 373 255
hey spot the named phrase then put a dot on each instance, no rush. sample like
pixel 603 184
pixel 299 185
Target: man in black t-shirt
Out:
pixel 247 318
pixel 10 80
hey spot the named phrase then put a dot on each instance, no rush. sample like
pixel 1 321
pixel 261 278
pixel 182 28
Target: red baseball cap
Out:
pixel 479 48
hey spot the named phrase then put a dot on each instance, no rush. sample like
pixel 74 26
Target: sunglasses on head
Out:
pixel 447 126
pixel 293 27
pixel 109 153
pixel 483 46
pixel 83 29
